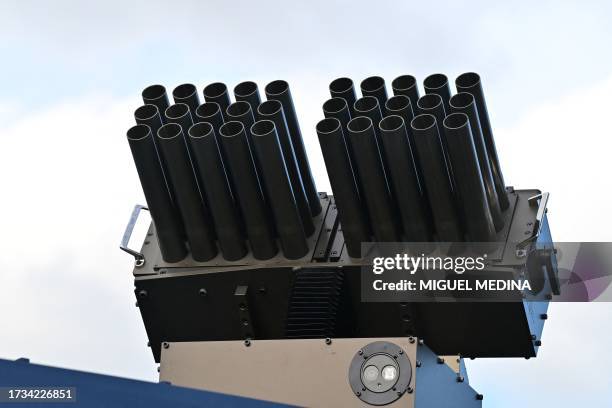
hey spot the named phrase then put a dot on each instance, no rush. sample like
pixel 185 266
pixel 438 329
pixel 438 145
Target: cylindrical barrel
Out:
pixel 156 95
pixel 404 178
pixel 217 92
pixel 208 163
pixel 149 115
pixel 435 175
pixel 400 105
pixel 406 85
pixel 241 112
pixel 247 91
pixel 433 104
pixel 196 218
pixel 375 86
pixel 368 106
pixel 343 88
pixel 351 211
pixel 187 94
pixel 248 191
pixel 470 82
pixel 284 208
pixel 273 110
pixel 168 227
pixel 209 112
pixel 464 102
pixel 470 187
pixel 438 84
pixel 380 206
pixel 279 90
pixel 179 114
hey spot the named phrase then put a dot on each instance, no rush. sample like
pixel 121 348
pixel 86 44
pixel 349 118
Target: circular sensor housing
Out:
pixel 380 373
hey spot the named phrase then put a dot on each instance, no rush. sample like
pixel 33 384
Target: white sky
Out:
pixel 71 77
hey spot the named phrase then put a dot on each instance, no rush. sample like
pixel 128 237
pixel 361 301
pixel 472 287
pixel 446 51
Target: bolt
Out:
pixel 418 363
pixel 411 340
pixel 401 351
pixel 328 341
pixel 543 316
pixel 538 343
pixel 137 304
pixel 247 343
pixel 148 344
pixel 399 393
pixel 166 345
pixel 548 296
pixel 395 356
pixel 363 388
pixel 479 397
pixel 358 394
pixel 158 369
pixel 142 294
pixel 360 352
pixel 440 360
pixel 460 379
pixel 203 292
pixel 262 290
pixel 533 337
pixel 409 390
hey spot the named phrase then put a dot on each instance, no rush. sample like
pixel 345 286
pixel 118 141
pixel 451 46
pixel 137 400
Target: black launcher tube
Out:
pixel 404 178
pixel 470 82
pixel 248 191
pixel 375 86
pixel 187 94
pixel 196 218
pixel 279 90
pixel 217 92
pixel 351 211
pixel 209 112
pixel 464 102
pixel 471 190
pixel 368 106
pixel 437 183
pixel 406 85
pixel 169 229
pixel 179 114
pixel 284 208
pixel 273 111
pixel 438 84
pixel 247 91
pixel 241 112
pixel 156 95
pixel 378 200
pixel 343 88
pixel 209 165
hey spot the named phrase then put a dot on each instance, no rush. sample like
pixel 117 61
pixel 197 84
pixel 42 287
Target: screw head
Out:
pixel 479 397
pixel 411 340
pixel 460 379
pixel 203 292
pixel 358 394
pixel 360 352
pixel 328 341
pixel 409 390
pixel 166 345
pixel 143 294
pixel 247 343
pixel 418 363
pixel 544 316
pixel 538 343
pixel 440 360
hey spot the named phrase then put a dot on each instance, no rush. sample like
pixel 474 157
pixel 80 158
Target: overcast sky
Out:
pixel 71 76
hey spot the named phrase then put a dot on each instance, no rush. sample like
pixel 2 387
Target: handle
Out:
pixel 541 200
pixel 140 260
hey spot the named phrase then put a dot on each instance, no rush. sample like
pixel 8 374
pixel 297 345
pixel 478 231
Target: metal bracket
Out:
pixel 541 200
pixel 242 302
pixel 127 234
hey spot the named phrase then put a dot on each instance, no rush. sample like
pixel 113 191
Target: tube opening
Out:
pixel 207 110
pixel 231 129
pixel 246 88
pixel 169 131
pixel 341 85
pixel 177 111
pixel 200 130
pixel 277 87
pixel 268 108
pixel 215 90
pixel 238 109
pixel 423 122
pixel 404 82
pixel 154 92
pixel 435 81
pixel 262 127
pixel 138 132
pixel 146 112
pixel 335 105
pixel 461 100
pixel 328 125
pixel 184 91
pixel 392 122
pixel 397 103
pixel 373 83
pixel 366 104
pixel 360 124
pixel 467 80
pixel 429 101
pixel 456 121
